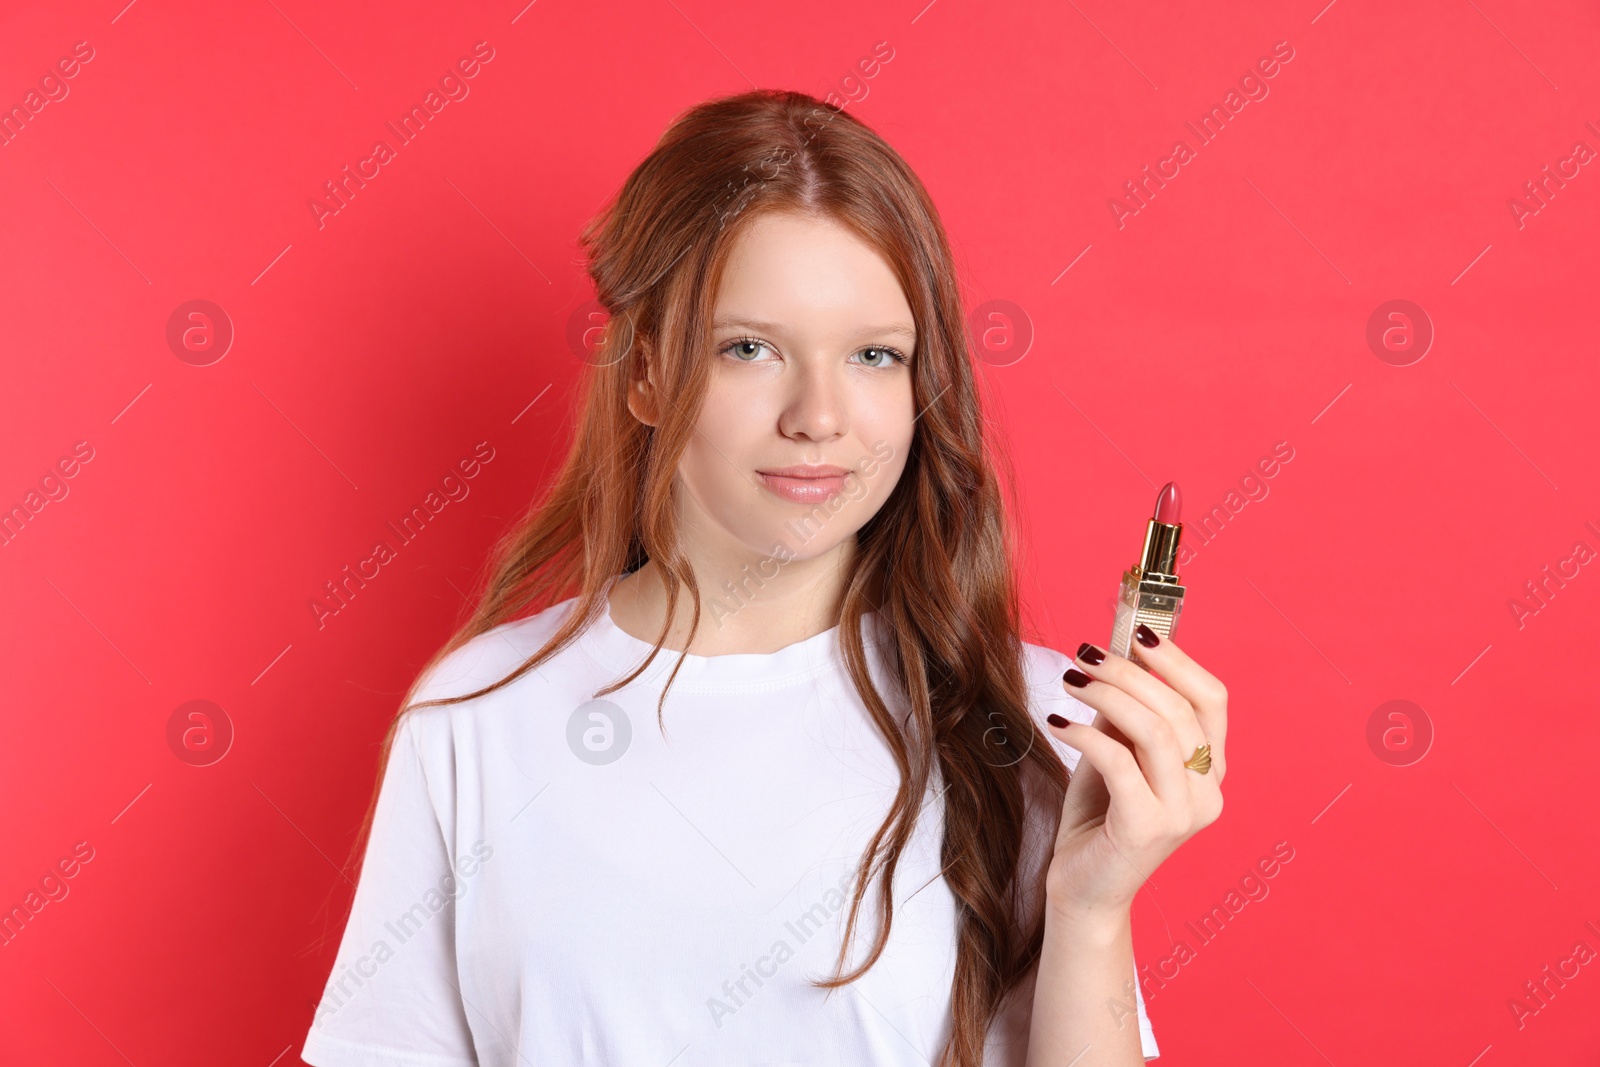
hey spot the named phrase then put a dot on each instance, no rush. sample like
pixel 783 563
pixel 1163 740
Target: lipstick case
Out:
pixel 1150 592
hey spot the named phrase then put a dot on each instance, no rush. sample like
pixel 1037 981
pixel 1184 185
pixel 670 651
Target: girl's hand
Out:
pixel 1131 801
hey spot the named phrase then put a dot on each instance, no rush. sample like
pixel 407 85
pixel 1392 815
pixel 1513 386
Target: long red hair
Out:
pixel 936 561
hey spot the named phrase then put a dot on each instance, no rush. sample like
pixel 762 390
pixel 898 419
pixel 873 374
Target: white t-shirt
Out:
pixel 619 898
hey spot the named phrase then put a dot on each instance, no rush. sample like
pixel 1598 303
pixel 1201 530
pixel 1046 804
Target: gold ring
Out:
pixel 1201 760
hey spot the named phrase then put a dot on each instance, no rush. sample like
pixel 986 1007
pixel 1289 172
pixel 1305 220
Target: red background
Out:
pixel 432 313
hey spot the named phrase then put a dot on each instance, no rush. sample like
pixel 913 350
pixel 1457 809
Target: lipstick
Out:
pixel 1150 592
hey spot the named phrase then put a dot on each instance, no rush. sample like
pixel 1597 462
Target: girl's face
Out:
pixel 811 340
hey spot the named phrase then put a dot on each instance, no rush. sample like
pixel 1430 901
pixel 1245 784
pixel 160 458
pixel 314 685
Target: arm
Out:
pixel 1136 795
pixel 1083 1001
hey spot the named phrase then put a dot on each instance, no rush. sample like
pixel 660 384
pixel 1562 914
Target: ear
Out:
pixel 642 397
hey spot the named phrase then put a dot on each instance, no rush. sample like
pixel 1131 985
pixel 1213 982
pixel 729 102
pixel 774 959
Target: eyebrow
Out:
pixel 898 329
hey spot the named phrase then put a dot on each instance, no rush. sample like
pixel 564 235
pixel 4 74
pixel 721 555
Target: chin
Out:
pixel 789 540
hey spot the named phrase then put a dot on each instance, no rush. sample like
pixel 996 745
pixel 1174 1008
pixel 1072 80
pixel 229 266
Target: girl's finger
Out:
pixel 1156 741
pixel 1144 687
pixel 1204 692
pixel 1124 778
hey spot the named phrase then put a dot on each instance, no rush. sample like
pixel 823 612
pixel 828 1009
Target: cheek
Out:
pixel 736 416
pixel 721 451
pixel 892 414
pixel 885 473
pixel 885 432
pixel 707 474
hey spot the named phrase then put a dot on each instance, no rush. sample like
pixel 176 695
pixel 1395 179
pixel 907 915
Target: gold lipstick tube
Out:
pixel 1150 592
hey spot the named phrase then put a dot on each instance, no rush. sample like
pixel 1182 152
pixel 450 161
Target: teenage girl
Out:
pixel 742 758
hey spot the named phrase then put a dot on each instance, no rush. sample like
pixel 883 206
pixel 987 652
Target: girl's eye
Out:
pixel 884 356
pixel 744 349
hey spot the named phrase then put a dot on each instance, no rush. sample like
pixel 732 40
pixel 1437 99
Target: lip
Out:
pixel 801 470
pixel 805 484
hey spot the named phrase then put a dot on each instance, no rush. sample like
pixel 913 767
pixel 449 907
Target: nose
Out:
pixel 816 408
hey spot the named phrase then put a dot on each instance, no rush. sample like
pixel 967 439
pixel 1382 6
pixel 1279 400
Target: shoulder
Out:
pixel 483 660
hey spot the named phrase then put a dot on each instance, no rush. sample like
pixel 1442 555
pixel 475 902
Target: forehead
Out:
pixel 788 270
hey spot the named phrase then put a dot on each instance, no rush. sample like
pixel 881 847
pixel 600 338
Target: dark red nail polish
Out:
pixel 1055 720
pixel 1146 636
pixel 1076 679
pixel 1091 655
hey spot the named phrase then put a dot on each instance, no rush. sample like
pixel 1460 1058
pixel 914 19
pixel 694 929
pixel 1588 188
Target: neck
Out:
pixel 753 604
